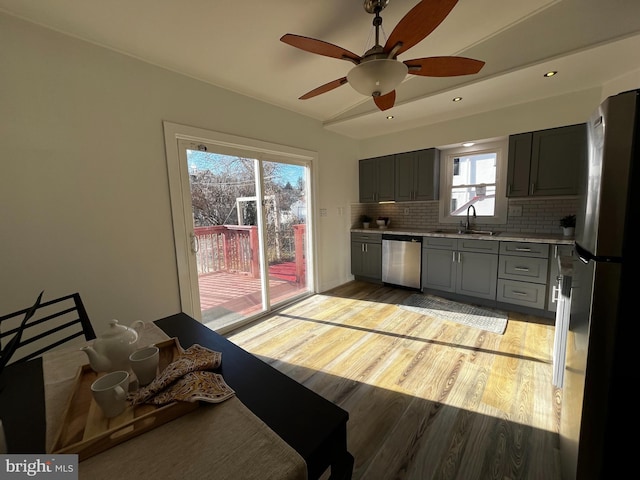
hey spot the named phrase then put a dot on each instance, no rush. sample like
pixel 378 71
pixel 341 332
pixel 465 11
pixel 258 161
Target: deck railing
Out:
pixel 233 249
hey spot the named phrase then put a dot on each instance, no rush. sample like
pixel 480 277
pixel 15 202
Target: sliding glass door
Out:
pixel 248 232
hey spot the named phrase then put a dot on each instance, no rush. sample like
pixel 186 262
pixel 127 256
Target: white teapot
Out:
pixel 111 350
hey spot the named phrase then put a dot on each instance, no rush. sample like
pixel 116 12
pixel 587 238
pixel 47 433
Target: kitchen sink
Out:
pixel 466 232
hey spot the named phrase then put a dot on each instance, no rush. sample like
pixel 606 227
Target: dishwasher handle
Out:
pixel 402 238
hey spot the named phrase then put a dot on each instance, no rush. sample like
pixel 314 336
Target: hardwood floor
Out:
pixel 427 398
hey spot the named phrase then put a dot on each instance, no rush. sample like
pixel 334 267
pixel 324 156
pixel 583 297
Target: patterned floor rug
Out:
pixel 487 319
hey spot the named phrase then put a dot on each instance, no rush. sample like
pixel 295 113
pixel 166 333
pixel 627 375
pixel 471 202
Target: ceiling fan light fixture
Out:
pixel 377 76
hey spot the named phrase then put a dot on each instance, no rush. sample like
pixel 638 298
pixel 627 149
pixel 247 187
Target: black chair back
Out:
pixel 30 332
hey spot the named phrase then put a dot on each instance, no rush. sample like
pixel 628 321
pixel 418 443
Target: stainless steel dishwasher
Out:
pixel 402 260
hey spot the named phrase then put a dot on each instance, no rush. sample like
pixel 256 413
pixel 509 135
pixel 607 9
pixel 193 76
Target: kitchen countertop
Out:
pixel 503 236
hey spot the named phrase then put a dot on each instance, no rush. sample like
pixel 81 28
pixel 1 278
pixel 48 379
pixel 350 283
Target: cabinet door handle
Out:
pixel 453 258
pixel 520 294
pixel 533 187
pixel 521 269
pixel 522 249
pixel 459 257
pixel 555 251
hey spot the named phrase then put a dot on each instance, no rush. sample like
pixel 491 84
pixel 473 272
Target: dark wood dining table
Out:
pixel 312 425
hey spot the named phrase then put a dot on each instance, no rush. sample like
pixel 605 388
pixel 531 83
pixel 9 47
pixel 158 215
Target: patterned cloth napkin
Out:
pixel 187 379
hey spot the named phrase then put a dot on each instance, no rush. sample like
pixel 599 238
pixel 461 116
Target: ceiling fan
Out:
pixel 378 72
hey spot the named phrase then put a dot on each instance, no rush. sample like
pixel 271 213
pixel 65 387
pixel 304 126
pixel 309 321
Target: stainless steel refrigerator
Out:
pixel 603 344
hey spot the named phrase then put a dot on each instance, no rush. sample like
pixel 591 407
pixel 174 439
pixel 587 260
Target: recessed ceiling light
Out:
pixel 551 73
pixel 389 117
pixel 468 144
pixel 457 99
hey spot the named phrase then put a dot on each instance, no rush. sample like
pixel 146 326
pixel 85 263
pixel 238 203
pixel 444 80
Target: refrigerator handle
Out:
pixel 586 256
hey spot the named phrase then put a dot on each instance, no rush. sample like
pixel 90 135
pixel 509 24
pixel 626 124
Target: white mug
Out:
pixel 110 392
pixel 144 363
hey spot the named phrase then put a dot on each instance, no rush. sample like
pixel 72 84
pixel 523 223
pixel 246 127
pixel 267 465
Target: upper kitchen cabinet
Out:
pixel 417 175
pixel 546 162
pixel 377 179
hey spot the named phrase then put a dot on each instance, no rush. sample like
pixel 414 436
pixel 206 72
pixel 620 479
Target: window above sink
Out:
pixel 474 176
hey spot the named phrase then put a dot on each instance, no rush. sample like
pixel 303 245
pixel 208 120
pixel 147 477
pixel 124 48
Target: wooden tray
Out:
pixel 87 432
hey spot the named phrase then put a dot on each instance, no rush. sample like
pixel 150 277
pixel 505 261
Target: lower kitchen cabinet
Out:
pixel 439 269
pixel 366 256
pixel 462 266
pixel 522 274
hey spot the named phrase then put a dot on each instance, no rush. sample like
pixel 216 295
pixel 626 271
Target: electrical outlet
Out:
pixel 406 211
pixel 515 210
pixel 323 212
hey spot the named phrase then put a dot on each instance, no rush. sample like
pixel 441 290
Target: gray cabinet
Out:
pixel 462 266
pixel 377 179
pixel 366 256
pixel 554 284
pixel 522 273
pixel 417 175
pixel 439 266
pixel 546 162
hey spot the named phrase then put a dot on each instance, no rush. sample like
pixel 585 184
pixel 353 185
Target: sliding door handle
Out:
pixel 195 244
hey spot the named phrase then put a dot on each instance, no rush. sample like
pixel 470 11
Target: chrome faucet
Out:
pixel 474 215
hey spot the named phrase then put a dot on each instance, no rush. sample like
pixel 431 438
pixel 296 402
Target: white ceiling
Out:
pixel 236 45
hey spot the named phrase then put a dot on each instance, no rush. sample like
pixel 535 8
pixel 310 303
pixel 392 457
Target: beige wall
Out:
pixel 84 199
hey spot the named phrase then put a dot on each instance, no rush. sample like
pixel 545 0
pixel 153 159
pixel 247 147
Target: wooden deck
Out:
pixel 226 297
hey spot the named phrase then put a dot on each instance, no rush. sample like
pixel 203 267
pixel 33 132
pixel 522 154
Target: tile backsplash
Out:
pixel 541 215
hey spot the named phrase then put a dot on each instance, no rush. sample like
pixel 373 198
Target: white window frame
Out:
pixel 447 155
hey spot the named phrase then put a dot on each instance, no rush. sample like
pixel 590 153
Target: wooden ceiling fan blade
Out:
pixel 418 23
pixel 324 88
pixel 320 47
pixel 444 66
pixel 385 102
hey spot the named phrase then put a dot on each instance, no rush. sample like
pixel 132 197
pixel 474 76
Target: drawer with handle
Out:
pixel 526 269
pixel 521 293
pixel 525 249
